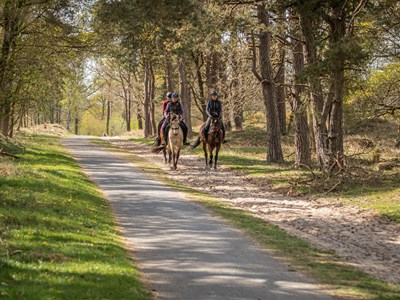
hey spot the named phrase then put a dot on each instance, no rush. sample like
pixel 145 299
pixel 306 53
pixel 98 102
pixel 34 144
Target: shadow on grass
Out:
pixel 56 217
pixel 29 283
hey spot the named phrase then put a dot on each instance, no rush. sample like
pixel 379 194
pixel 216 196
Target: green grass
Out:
pixel 337 277
pixel 58 236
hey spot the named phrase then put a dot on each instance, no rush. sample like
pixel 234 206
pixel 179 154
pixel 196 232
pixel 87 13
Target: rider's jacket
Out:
pixel 165 103
pixel 175 108
pixel 214 107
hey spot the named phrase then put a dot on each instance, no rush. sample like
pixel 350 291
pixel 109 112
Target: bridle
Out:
pixel 174 124
pixel 215 128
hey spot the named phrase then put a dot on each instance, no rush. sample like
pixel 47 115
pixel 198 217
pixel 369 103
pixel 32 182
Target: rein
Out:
pixel 174 125
pixel 215 130
pixel 175 130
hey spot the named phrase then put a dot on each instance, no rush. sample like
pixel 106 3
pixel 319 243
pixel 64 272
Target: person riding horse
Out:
pixel 213 109
pixel 167 100
pixel 174 107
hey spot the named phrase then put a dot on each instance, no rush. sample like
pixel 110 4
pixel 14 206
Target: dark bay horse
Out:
pixel 212 141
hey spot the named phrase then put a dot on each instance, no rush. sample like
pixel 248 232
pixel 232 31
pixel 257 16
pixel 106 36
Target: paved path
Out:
pixel 183 251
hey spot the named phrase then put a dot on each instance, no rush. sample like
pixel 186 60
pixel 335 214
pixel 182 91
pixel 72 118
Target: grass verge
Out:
pixel 363 186
pixel 337 276
pixel 58 239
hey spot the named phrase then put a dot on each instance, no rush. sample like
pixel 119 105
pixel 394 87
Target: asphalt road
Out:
pixel 183 251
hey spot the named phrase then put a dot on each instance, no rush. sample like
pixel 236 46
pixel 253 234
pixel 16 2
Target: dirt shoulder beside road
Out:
pixel 368 241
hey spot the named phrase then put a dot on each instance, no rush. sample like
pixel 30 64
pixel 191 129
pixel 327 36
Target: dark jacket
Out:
pixel 175 108
pixel 214 107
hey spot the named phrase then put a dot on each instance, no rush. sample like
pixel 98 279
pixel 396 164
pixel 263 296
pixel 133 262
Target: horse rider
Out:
pixel 213 109
pixel 175 107
pixel 167 100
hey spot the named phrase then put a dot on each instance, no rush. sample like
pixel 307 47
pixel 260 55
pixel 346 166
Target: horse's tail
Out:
pixel 195 144
pixel 158 149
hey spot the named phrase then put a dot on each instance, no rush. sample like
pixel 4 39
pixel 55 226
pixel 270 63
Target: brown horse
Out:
pixel 174 141
pixel 212 141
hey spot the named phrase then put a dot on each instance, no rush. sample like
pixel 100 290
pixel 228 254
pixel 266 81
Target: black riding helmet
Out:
pixel 169 95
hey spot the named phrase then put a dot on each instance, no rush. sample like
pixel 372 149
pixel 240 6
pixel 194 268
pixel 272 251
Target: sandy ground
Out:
pixel 367 241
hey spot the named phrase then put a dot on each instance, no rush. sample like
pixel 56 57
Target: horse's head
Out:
pixel 174 123
pixel 215 125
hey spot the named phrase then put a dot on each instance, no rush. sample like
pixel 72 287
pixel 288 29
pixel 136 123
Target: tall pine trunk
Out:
pixel 146 108
pixel 169 73
pixel 318 113
pixel 185 96
pixel 280 81
pixel 302 139
pixel 335 133
pixel 10 12
pixel 274 151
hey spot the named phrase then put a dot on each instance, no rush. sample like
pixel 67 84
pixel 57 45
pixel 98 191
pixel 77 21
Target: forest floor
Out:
pixel 364 238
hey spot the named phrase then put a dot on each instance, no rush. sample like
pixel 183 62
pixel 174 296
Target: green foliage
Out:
pixel 379 93
pixel 58 237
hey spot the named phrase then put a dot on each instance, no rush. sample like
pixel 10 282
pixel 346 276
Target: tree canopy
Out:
pixel 290 65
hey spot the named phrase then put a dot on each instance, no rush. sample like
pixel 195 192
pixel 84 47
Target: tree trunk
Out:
pixel 147 122
pixel 129 122
pixel 236 100
pixel 169 73
pixel 280 91
pixel 302 139
pixel 152 91
pixel 128 105
pixel 317 99
pixel 10 25
pixel 335 134
pixel 185 96
pixel 68 121
pixel 76 125
pixel 201 104
pixel 103 108
pixel 274 151
pixel 108 117
pixel 139 118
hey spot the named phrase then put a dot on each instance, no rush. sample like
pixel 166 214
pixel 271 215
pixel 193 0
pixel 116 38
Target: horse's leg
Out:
pixel 216 156
pixel 169 156
pixel 211 156
pixel 173 158
pixel 165 155
pixel 205 153
pixel 177 157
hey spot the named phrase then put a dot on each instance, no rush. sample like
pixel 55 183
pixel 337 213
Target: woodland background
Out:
pixel 310 70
